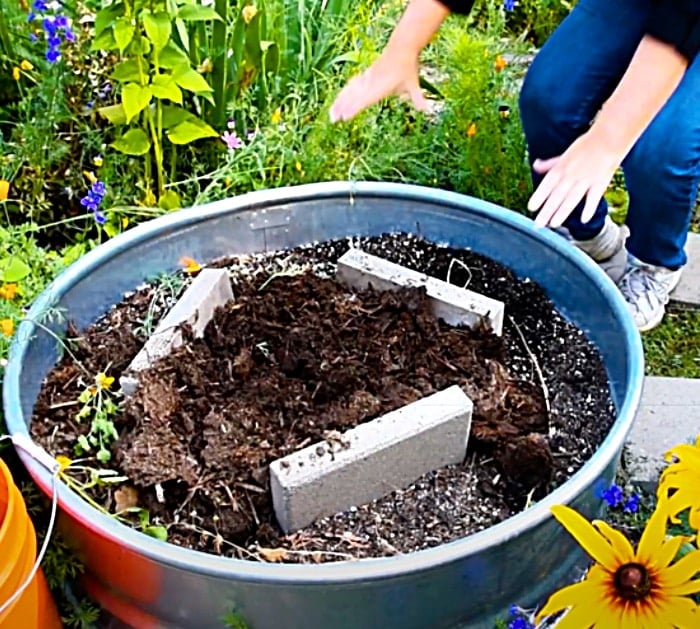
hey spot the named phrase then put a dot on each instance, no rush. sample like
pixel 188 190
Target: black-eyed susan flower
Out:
pixel 624 588
pixel 7 327
pixel 679 484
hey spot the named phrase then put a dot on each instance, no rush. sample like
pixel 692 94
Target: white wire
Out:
pixel 44 547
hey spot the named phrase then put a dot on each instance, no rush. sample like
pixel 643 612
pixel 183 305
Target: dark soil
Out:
pixel 296 359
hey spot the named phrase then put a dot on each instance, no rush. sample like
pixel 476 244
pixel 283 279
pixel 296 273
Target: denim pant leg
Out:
pixel 575 72
pixel 661 173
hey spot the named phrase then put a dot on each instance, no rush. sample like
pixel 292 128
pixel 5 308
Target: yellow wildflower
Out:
pixel 500 63
pixel 63 463
pixel 276 117
pixel 16 73
pixel 249 12
pixel 682 478
pixel 90 176
pixel 7 327
pixel 26 65
pixel 103 381
pixel 98 161
pixel 125 222
pixel 627 588
pixel 471 131
pixel 4 189
pixel 8 291
pixel 190 265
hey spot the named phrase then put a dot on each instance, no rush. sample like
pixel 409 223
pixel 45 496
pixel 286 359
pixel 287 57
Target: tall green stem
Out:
pixel 219 62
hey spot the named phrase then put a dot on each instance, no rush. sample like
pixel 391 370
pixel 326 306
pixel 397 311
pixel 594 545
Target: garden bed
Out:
pixel 298 358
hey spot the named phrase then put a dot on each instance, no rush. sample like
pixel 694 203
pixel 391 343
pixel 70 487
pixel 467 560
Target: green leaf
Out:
pixel 124 30
pixel 159 532
pixel 133 142
pixel 127 71
pixel 170 201
pixel 172 56
pixel 189 79
pixel 158 28
pixel 194 12
pixel 106 17
pixel 14 269
pixel 190 130
pixel 104 41
pixel 174 115
pixel 135 98
pixel 114 113
pixel 164 86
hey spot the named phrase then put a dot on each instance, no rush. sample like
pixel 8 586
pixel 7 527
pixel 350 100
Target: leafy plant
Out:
pixel 155 75
pixel 100 408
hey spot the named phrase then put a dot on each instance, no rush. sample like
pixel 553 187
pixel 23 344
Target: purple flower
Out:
pixel 39 6
pixel 93 199
pixel 231 140
pixel 54 41
pixel 33 37
pixel 31 16
pixel 613 495
pixel 61 22
pixel 100 218
pixel 509 5
pixel 69 35
pixel 520 623
pixel 52 55
pixel 632 504
pixel 49 25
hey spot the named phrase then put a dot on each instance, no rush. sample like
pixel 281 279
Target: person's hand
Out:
pixel 583 170
pixel 394 73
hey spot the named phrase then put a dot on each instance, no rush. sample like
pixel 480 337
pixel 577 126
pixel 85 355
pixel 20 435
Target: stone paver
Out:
pixel 669 414
pixel 372 459
pixel 210 289
pixel 688 290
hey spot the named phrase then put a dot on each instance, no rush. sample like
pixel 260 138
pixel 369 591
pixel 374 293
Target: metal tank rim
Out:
pixel 346 571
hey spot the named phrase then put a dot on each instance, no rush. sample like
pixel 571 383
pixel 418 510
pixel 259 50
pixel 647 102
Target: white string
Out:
pixel 49 530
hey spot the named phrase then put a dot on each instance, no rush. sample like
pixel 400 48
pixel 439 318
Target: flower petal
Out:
pixel 668 551
pixel 584 593
pixel 587 536
pixel 580 617
pixel 683 570
pixel 653 536
pixel 689 587
pixel 621 545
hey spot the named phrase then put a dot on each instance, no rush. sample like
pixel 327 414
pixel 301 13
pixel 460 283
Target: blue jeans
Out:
pixel 573 75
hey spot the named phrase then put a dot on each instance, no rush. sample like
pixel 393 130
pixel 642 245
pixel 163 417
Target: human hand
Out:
pixel 583 170
pixel 394 73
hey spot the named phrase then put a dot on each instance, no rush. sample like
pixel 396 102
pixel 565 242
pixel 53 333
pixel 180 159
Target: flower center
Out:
pixel 632 581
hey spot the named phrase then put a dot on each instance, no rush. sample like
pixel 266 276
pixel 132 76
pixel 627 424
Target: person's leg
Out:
pixel 572 76
pixel 662 173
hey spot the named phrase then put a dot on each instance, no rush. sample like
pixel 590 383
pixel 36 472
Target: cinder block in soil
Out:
pixel 452 304
pixel 209 290
pixel 371 460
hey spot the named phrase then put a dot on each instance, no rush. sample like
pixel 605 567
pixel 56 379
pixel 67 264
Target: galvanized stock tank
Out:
pixel 147 583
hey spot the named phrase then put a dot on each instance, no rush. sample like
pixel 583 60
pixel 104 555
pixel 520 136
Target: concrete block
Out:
pixel 452 304
pixel 372 459
pixel 687 292
pixel 669 414
pixel 209 290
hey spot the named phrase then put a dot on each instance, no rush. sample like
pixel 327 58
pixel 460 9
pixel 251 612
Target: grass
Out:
pixel 673 349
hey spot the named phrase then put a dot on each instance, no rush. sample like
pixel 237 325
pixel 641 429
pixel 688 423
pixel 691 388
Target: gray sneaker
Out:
pixel 608 249
pixel 647 289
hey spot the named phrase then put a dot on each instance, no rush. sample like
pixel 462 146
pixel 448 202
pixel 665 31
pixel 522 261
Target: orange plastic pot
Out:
pixel 35 607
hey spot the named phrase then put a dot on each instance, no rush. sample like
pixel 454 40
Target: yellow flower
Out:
pixel 7 326
pixel 103 381
pixel 4 189
pixel 26 66
pixel 125 222
pixel 190 264
pixel 8 291
pixel 471 131
pixel 90 176
pixel 249 12
pixel 499 63
pixel 15 73
pixel 276 117
pixel 627 589
pixel 298 166
pixel 683 477
pixel 63 463
pixel 97 160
